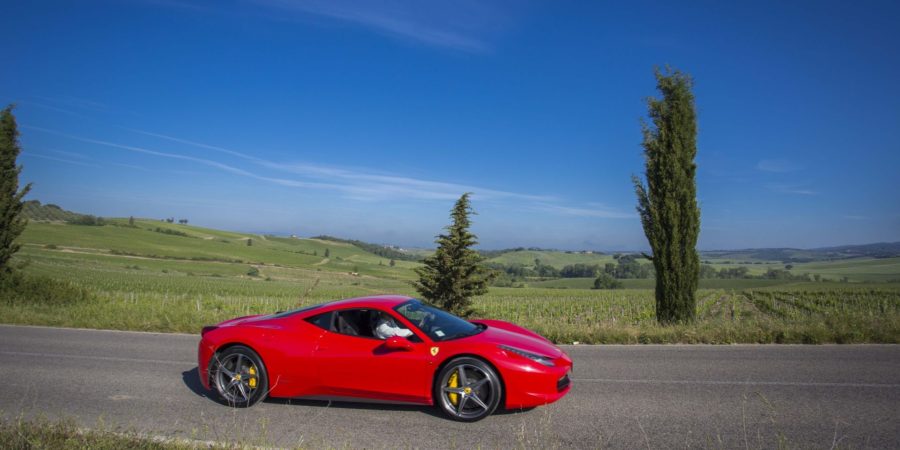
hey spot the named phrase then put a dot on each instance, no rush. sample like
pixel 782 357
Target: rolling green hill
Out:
pixel 555 258
pixel 793 255
pixel 33 210
pixel 152 240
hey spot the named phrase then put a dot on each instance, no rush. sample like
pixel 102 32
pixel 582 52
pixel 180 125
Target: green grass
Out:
pixel 44 434
pixel 138 299
pixel 119 277
pixel 773 315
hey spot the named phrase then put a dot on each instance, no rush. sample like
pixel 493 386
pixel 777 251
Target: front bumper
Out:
pixel 528 387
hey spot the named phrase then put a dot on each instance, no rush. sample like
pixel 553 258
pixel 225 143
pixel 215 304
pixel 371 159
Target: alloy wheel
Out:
pixel 469 392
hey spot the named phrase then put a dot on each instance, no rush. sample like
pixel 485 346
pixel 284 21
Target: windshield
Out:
pixel 438 324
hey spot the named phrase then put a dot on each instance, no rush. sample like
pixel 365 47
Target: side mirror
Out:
pixel 398 343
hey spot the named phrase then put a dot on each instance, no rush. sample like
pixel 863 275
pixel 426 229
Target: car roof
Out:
pixel 384 301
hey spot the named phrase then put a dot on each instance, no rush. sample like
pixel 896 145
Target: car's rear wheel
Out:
pixel 468 389
pixel 239 376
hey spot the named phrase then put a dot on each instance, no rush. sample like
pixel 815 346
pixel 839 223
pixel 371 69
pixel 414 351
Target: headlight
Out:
pixel 536 358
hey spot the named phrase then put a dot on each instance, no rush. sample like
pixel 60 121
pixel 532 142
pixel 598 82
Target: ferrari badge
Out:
pixel 434 351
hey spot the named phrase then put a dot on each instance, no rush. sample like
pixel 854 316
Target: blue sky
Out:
pixel 367 119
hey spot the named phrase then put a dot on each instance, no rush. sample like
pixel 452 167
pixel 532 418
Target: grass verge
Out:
pixel 44 434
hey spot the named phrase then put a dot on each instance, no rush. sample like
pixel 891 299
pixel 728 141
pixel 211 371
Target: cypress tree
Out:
pixel 454 274
pixel 668 203
pixel 11 221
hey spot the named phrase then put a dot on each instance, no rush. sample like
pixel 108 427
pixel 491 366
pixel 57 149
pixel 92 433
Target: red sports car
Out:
pixel 387 348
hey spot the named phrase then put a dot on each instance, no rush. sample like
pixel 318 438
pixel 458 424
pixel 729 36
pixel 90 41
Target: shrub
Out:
pixel 87 219
pixel 170 231
pixel 17 288
pixel 606 281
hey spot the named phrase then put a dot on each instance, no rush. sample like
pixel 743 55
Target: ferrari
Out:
pixel 386 349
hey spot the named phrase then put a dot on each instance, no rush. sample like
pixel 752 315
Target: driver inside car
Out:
pixel 387 327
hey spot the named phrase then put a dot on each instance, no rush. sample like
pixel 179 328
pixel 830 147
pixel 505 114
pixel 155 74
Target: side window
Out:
pixel 366 323
pixel 324 321
pixel 354 322
pixel 385 326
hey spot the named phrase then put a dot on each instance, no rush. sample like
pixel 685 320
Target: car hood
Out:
pixel 515 336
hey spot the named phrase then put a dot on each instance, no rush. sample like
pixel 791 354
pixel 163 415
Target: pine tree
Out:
pixel 11 221
pixel 668 203
pixel 454 274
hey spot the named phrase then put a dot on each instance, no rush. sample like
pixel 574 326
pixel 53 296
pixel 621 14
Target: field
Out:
pixel 157 276
pixel 552 258
pixel 715 283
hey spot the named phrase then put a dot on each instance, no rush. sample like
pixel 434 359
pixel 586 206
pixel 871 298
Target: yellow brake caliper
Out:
pixel 252 380
pixel 454 382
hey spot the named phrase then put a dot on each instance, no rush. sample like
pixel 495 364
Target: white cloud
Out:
pixel 365 184
pixel 598 212
pixel 444 24
pixel 53 158
pixel 795 189
pixel 358 184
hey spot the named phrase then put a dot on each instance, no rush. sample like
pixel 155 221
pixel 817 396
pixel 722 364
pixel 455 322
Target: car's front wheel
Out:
pixel 468 389
pixel 239 376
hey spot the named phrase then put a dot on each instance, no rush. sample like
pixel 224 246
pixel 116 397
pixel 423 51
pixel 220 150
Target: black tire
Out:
pixel 239 376
pixel 473 395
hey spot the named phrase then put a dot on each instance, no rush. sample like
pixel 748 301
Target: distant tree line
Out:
pixel 625 267
pixel 519 271
pixel 709 272
pixel 726 273
pixel 488 254
pixel 380 250
pixel 87 219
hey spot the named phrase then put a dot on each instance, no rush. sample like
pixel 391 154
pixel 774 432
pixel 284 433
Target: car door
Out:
pixel 353 362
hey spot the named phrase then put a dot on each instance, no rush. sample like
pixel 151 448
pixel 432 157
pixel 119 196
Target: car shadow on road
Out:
pixel 191 379
pixel 376 406
pixel 345 404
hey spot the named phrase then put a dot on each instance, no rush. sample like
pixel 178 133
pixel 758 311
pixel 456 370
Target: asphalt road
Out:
pixel 622 397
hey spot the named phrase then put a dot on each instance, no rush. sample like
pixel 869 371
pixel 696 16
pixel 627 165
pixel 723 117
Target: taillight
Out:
pixel 207 329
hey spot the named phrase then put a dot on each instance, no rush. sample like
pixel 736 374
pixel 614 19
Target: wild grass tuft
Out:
pixel 44 434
